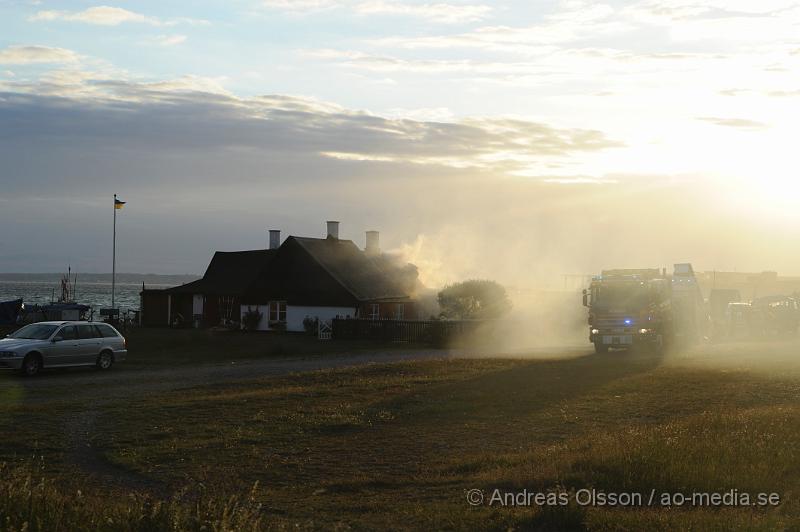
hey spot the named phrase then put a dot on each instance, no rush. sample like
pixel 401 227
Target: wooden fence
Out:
pixel 434 332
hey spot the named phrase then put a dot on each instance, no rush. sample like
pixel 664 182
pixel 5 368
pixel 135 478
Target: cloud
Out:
pixel 202 170
pixel 437 114
pixel 555 63
pixel 784 93
pixel 575 48
pixel 299 5
pixel 387 63
pixel 775 93
pixel 275 123
pixel 733 92
pixel 100 15
pixel 580 180
pixel 741 123
pixel 739 23
pixel 194 119
pixel 169 40
pixel 32 54
pixel 676 24
pixel 444 13
pixel 111 16
pixel 434 12
pixel 177 148
pixel 710 9
pixel 574 21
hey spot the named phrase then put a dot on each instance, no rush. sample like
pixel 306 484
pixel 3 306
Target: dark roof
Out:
pixel 194 287
pixel 362 276
pixel 327 272
pixel 229 273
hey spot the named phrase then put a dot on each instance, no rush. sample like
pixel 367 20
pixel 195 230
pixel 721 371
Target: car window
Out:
pixel 68 332
pixel 86 332
pixel 34 332
pixel 106 331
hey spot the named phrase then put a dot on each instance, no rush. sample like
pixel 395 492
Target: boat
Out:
pixel 65 308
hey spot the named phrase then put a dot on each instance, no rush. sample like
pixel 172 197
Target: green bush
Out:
pixel 251 318
pixel 311 325
pixel 476 299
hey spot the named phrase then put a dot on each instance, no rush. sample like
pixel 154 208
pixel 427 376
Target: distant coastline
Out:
pixel 147 278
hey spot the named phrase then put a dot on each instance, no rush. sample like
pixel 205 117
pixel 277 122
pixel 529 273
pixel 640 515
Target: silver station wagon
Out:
pixel 59 344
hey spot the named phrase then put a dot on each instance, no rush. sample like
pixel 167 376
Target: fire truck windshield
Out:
pixel 620 296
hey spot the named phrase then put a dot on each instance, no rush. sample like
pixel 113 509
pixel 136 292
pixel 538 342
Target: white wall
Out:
pixel 295 315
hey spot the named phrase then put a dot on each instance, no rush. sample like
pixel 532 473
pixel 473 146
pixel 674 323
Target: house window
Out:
pixel 277 311
pixel 398 313
pixel 375 311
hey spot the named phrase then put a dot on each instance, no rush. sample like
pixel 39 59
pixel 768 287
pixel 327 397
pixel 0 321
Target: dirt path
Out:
pixel 130 381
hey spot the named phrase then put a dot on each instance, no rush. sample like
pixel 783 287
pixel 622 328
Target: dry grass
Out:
pixel 396 446
pixel 32 502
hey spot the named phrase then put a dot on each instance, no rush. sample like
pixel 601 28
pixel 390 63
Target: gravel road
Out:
pixel 131 381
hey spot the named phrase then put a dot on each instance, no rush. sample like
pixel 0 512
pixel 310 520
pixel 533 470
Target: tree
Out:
pixel 476 299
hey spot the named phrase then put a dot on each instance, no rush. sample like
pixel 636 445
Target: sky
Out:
pixel 509 140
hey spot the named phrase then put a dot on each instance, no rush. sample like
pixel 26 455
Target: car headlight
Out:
pixel 644 331
pixel 595 331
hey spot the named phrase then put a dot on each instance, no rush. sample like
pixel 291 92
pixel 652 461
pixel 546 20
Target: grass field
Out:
pixel 399 445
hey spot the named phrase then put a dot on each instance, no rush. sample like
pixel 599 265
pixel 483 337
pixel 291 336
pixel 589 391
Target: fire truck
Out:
pixel 645 308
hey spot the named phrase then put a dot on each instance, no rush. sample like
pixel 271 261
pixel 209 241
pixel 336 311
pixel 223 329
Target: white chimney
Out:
pixel 373 243
pixel 274 238
pixel 333 229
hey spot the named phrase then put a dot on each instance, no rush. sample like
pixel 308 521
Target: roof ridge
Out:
pixel 322 239
pixel 245 251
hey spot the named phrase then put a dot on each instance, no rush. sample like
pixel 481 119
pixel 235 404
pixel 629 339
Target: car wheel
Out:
pixel 600 348
pixel 31 365
pixel 105 360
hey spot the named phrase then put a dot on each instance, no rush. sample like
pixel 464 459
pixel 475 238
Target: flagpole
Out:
pixel 114 256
